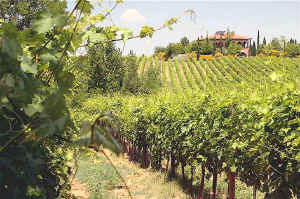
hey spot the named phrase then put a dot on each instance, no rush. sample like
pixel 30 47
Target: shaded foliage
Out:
pixel 106 68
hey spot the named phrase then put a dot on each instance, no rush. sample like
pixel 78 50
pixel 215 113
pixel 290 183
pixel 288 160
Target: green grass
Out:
pixel 103 183
pixel 98 175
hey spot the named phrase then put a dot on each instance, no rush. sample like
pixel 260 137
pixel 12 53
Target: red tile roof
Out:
pixel 223 37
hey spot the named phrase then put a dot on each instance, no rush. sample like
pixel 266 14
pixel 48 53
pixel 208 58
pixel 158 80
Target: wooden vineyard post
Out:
pixel 231 185
pixel 200 195
pixel 214 185
pixel 130 151
pixel 254 192
pixel 182 170
pixel 173 166
pixel 126 146
pixel 145 156
pixel 192 175
pixel 168 159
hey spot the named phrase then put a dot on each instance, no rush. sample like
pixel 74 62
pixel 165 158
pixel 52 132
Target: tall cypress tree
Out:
pixel 264 41
pixel 198 48
pixel 258 41
pixel 254 49
pixel 250 48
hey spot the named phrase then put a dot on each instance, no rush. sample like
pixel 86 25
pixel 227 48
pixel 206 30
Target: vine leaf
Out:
pixel 11 47
pixel 106 140
pixel 298 157
pixel 31 109
pixel 27 65
pixel 47 21
pixel 8 80
pixel 94 37
pixel 85 127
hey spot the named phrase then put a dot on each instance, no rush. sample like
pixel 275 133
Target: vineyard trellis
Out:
pixel 243 119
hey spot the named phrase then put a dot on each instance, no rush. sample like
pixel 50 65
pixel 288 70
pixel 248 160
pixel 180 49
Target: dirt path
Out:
pixel 79 190
pixel 144 183
pixel 167 70
pixel 185 79
pixel 100 179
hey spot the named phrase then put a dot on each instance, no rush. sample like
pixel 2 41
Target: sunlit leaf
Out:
pixel 27 65
pixel 31 109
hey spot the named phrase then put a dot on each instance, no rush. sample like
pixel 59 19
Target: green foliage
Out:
pixel 147 31
pixel 21 13
pixel 275 44
pixel 184 41
pixel 160 49
pixel 37 132
pixel 250 134
pixel 131 81
pixel 292 50
pixel 106 68
pixel 253 53
pixel 234 48
pixel 34 118
pixel 176 48
pixel 204 47
pixel 150 81
pixel 258 42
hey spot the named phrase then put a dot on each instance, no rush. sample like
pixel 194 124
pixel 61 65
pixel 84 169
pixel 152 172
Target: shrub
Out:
pixel 206 57
pixel 192 55
pixel 218 54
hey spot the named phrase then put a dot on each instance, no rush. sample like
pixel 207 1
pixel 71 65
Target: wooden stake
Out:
pixel 214 184
pixel 254 192
pixel 231 185
pixel 200 194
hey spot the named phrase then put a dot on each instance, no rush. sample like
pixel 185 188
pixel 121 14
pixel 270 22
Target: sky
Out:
pixel 272 18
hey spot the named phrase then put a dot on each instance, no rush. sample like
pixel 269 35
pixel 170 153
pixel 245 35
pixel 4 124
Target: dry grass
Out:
pixel 103 182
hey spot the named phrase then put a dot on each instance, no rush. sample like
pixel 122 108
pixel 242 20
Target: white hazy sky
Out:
pixel 272 18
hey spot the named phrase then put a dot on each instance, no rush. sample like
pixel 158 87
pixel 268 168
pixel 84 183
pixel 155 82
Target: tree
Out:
pixel 292 50
pixel 253 49
pixel 250 48
pixel 275 44
pixel 206 47
pixel 234 48
pixel 264 41
pixel 169 53
pixel 106 68
pixel 131 79
pixel 283 42
pixel 229 34
pixel 184 41
pixel 198 48
pixel 258 41
pixel 159 49
pixel 215 46
pixel 174 49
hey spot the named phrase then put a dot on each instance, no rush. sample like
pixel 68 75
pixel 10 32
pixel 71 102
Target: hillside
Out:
pixel 214 74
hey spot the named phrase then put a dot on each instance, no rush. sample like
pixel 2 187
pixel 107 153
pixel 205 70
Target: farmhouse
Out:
pixel 220 39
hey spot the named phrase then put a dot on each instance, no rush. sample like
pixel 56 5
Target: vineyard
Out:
pixel 224 72
pixel 221 118
pixel 234 116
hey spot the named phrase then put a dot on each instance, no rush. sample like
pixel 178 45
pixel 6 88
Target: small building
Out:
pixel 220 39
